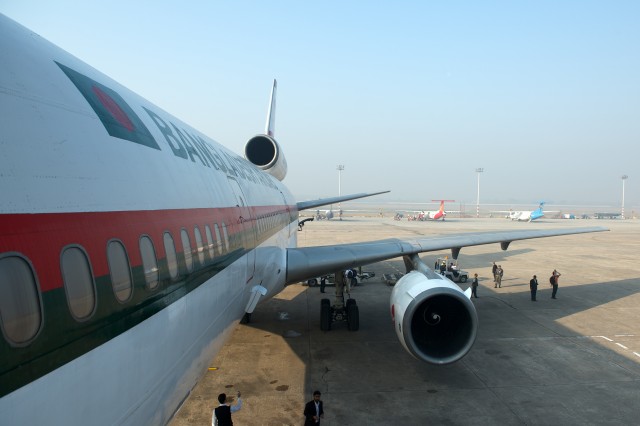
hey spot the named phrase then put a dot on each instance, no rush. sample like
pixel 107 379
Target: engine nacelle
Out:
pixel 434 320
pixel 264 152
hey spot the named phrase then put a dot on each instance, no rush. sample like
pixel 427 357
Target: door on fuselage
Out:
pixel 286 206
pixel 244 225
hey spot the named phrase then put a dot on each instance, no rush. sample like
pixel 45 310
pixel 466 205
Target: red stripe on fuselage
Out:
pixel 41 237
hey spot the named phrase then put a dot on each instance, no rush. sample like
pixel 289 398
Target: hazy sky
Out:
pixel 409 96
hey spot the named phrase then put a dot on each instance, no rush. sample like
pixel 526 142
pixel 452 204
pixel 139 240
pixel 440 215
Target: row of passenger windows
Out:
pixel 20 299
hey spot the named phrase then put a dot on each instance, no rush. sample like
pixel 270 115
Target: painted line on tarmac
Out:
pixel 619 344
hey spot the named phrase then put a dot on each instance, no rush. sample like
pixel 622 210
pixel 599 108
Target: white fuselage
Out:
pixel 60 162
pixel 520 216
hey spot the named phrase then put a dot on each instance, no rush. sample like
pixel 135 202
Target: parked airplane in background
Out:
pixel 131 245
pixel 324 214
pixel 526 216
pixel 423 215
pixel 437 214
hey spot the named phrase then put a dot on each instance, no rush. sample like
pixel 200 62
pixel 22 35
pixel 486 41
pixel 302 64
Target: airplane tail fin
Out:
pixel 271 114
pixel 442 204
pixel 538 213
pixel 263 150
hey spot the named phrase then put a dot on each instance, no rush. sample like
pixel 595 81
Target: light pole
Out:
pixel 624 177
pixel 478 171
pixel 339 168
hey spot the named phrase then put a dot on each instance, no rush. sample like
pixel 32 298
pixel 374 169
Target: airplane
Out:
pixel 423 215
pixel 527 216
pixel 131 245
pixel 325 214
pixel 437 214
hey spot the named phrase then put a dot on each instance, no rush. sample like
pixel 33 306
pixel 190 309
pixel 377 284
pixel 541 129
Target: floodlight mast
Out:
pixel 478 171
pixel 624 178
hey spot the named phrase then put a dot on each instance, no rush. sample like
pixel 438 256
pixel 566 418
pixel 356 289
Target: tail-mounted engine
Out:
pixel 264 152
pixel 434 320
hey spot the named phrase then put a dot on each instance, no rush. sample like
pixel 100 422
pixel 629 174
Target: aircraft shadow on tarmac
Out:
pixel 530 346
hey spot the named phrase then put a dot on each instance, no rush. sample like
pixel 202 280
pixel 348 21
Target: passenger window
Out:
pixel 172 258
pixel 218 239
pixel 226 237
pixel 120 271
pixel 186 248
pixel 207 231
pixel 20 308
pixel 149 262
pixel 78 283
pixel 199 247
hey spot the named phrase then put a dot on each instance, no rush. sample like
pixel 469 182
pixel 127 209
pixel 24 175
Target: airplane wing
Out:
pixel 304 205
pixel 307 262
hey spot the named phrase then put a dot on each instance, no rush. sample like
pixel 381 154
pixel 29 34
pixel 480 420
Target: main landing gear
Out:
pixel 340 311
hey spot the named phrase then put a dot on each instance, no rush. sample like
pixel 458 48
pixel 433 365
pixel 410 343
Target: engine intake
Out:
pixel 434 320
pixel 264 152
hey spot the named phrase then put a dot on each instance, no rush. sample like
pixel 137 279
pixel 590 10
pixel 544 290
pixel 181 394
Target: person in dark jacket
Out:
pixel 313 411
pixel 533 286
pixel 474 286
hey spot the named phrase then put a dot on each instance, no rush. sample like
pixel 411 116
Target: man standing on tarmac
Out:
pixel 533 285
pixel 474 286
pixel 313 411
pixel 499 274
pixel 554 282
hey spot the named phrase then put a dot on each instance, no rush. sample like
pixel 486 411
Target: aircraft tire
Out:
pixel 325 315
pixel 353 317
pixel 350 302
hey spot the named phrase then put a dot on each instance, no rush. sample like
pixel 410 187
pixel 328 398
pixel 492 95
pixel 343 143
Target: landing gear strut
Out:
pixel 340 311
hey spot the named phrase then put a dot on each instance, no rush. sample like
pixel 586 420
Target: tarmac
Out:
pixel 574 360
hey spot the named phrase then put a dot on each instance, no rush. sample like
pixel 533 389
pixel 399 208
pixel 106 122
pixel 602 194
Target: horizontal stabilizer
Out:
pixel 304 205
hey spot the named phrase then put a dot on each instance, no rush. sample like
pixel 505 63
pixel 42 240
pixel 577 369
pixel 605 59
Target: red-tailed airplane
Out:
pixel 437 214
pixel 131 245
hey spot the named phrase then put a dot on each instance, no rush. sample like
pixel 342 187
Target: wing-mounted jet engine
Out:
pixel 263 150
pixel 434 319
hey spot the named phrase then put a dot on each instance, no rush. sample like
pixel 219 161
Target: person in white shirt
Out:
pixel 222 413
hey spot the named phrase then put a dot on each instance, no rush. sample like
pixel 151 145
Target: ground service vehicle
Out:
pixel 453 271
